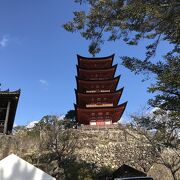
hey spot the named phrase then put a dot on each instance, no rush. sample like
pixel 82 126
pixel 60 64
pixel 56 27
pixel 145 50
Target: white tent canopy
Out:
pixel 14 168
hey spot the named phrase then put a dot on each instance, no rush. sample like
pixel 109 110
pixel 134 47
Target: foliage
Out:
pixel 163 125
pixel 130 21
pixel 18 128
pixel 134 21
pixel 71 114
pixel 167 85
pixel 80 170
pixel 69 119
pixel 56 138
pixel 162 133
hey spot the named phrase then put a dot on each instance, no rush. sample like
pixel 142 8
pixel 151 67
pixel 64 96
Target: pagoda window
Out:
pixel 107 116
pixel 99 101
pixel 92 118
pixel 97 88
pixel 104 100
pixel 92 76
pixel 100 115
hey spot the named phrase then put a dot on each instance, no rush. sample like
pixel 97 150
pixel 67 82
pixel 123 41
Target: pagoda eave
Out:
pixel 85 98
pixel 86 84
pixel 114 67
pixel 83 114
pixel 117 91
pixel 102 81
pixel 102 74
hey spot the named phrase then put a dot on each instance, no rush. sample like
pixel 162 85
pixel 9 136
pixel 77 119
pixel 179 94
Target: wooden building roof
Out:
pixel 128 171
pixel 8 105
pixel 93 74
pixel 83 115
pixel 95 63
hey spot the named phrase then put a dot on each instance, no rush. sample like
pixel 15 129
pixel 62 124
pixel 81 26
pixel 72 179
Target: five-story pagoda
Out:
pixel 96 95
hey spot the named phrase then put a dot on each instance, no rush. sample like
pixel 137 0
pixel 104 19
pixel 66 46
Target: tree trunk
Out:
pixel 174 175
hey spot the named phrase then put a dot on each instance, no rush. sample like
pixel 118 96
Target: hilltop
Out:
pixel 84 154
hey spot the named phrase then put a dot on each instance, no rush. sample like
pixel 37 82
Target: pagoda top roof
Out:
pixel 95 62
pixel 95 58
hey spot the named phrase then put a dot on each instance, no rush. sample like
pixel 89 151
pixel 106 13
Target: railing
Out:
pixel 98 78
pixel 100 105
pixel 97 91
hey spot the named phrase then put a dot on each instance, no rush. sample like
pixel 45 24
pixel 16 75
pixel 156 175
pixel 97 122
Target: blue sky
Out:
pixel 38 56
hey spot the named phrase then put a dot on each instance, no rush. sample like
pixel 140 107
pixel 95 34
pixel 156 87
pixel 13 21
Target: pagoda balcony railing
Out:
pixel 103 78
pixel 100 118
pixel 97 91
pixel 99 105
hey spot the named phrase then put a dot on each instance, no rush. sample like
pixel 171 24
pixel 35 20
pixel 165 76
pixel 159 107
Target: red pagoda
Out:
pixel 96 95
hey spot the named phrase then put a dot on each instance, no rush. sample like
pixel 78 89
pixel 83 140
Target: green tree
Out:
pixel 71 114
pixel 54 138
pixel 133 21
pixel 161 132
pixel 69 119
pixel 129 20
pixel 18 128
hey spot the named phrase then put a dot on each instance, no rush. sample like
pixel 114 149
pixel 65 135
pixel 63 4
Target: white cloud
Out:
pixel 4 41
pixel 15 125
pixel 124 120
pixel 61 117
pixel 43 82
pixel 31 124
